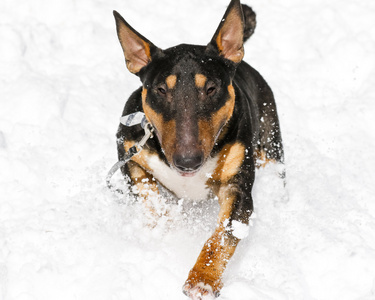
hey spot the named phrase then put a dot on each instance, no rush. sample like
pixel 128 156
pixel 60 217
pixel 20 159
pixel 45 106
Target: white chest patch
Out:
pixel 194 187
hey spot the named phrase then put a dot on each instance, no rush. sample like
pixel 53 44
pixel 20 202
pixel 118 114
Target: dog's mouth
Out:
pixel 191 173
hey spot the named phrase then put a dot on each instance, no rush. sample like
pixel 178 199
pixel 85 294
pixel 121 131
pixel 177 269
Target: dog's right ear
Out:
pixel 137 49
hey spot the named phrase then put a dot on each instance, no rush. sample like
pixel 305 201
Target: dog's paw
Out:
pixel 200 291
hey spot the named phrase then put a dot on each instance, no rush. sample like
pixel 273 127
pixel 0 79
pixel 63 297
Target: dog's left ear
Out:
pixel 137 49
pixel 228 38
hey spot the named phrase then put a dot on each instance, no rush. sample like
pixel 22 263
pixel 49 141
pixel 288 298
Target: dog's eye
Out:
pixel 210 91
pixel 162 91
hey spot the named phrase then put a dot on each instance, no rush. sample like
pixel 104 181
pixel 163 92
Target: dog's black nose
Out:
pixel 188 162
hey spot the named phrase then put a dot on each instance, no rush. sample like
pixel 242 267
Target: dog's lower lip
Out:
pixel 187 174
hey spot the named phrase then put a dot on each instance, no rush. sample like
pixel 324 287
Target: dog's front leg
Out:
pixel 146 188
pixel 205 278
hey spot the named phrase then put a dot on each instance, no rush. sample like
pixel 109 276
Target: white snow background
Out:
pixel 63 85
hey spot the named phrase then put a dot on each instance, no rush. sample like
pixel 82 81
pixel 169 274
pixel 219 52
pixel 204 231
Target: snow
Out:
pixel 239 230
pixel 63 84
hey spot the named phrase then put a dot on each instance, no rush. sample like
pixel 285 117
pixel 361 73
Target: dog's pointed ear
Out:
pixel 137 49
pixel 228 38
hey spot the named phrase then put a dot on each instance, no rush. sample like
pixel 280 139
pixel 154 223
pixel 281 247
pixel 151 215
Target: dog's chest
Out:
pixel 194 187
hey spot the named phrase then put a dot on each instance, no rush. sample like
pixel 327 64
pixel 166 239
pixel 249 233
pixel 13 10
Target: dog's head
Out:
pixel 187 90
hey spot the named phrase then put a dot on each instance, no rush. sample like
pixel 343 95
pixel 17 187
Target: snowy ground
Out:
pixel 63 84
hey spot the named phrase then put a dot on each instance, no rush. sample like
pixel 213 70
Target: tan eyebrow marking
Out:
pixel 171 81
pixel 200 80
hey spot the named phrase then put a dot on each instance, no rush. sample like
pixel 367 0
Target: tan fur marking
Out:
pixel 171 81
pixel 143 180
pixel 168 139
pixel 153 117
pixel 146 189
pixel 144 95
pixel 231 92
pixel 136 172
pixel 225 113
pixel 206 135
pixel 208 129
pixel 219 43
pixel 213 260
pixel 226 197
pixel 218 249
pixel 230 160
pixel 141 157
pixel 166 131
pixel 147 50
pixel 200 80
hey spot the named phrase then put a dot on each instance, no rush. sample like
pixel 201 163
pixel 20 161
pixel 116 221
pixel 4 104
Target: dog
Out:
pixel 215 122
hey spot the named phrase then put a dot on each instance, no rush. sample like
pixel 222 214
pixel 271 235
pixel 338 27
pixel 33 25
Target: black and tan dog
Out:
pixel 214 118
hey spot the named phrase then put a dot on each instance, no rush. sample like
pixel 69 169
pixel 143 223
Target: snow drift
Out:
pixel 63 84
